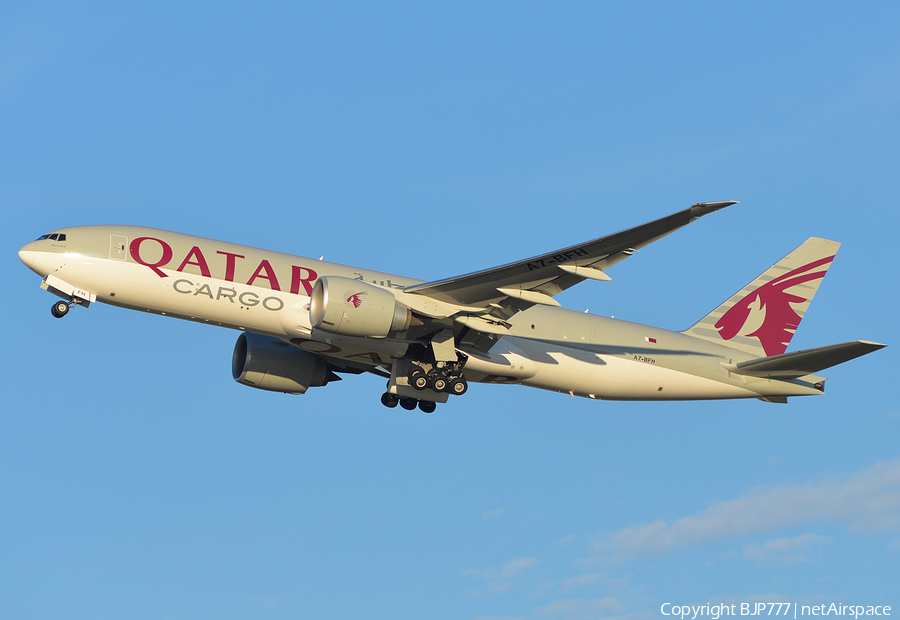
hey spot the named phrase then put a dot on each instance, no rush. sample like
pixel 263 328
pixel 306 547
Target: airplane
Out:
pixel 305 320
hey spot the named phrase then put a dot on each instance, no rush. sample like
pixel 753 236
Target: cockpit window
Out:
pixel 42 237
pixel 53 237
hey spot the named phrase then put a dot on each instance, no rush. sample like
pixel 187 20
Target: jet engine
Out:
pixel 354 308
pixel 271 364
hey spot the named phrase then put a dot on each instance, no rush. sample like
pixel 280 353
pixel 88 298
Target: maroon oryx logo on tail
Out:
pixel 772 299
pixel 355 299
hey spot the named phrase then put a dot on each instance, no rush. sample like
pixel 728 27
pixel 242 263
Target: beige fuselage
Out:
pixel 264 292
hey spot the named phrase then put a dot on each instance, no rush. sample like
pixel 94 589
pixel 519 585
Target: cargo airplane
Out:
pixel 305 320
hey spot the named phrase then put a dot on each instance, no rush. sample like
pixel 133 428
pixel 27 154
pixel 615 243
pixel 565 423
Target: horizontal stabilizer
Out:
pixel 801 363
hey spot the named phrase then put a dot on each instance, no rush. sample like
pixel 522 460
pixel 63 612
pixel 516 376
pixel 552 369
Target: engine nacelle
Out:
pixel 354 308
pixel 271 364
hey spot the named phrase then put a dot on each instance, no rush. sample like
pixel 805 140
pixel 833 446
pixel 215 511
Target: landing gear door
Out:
pixel 117 247
pixel 63 289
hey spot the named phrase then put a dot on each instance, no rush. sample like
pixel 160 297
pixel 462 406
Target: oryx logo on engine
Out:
pixel 355 299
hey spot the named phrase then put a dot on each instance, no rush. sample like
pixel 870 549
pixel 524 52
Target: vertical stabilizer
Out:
pixel 762 317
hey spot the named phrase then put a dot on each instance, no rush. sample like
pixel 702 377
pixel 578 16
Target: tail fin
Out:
pixel 762 317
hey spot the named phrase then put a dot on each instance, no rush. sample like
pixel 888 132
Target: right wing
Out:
pixel 488 298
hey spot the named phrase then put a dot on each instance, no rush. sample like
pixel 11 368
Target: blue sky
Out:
pixel 138 480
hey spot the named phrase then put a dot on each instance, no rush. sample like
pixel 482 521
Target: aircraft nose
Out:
pixel 26 256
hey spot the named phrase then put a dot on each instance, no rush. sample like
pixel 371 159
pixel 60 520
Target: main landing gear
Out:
pixel 427 375
pixel 444 379
pixel 61 308
pixel 392 400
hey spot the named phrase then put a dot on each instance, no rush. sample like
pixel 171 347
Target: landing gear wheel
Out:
pixel 417 378
pixel 438 383
pixel 389 400
pixel 458 386
pixel 408 403
pixel 59 309
pixel 427 406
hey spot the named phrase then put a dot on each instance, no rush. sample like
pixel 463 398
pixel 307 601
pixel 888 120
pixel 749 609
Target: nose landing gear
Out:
pixel 71 295
pixel 61 309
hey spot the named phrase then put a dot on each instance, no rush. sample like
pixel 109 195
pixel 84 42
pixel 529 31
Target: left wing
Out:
pixel 502 291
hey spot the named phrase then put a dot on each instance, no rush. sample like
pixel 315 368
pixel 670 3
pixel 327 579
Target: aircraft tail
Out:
pixel 762 317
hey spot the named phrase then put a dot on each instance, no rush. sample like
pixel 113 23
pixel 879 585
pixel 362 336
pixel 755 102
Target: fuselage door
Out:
pixel 117 246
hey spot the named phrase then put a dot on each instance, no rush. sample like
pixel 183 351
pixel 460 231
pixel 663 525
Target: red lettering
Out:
pixel 135 248
pixel 297 279
pixel 198 261
pixel 229 264
pixel 270 275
